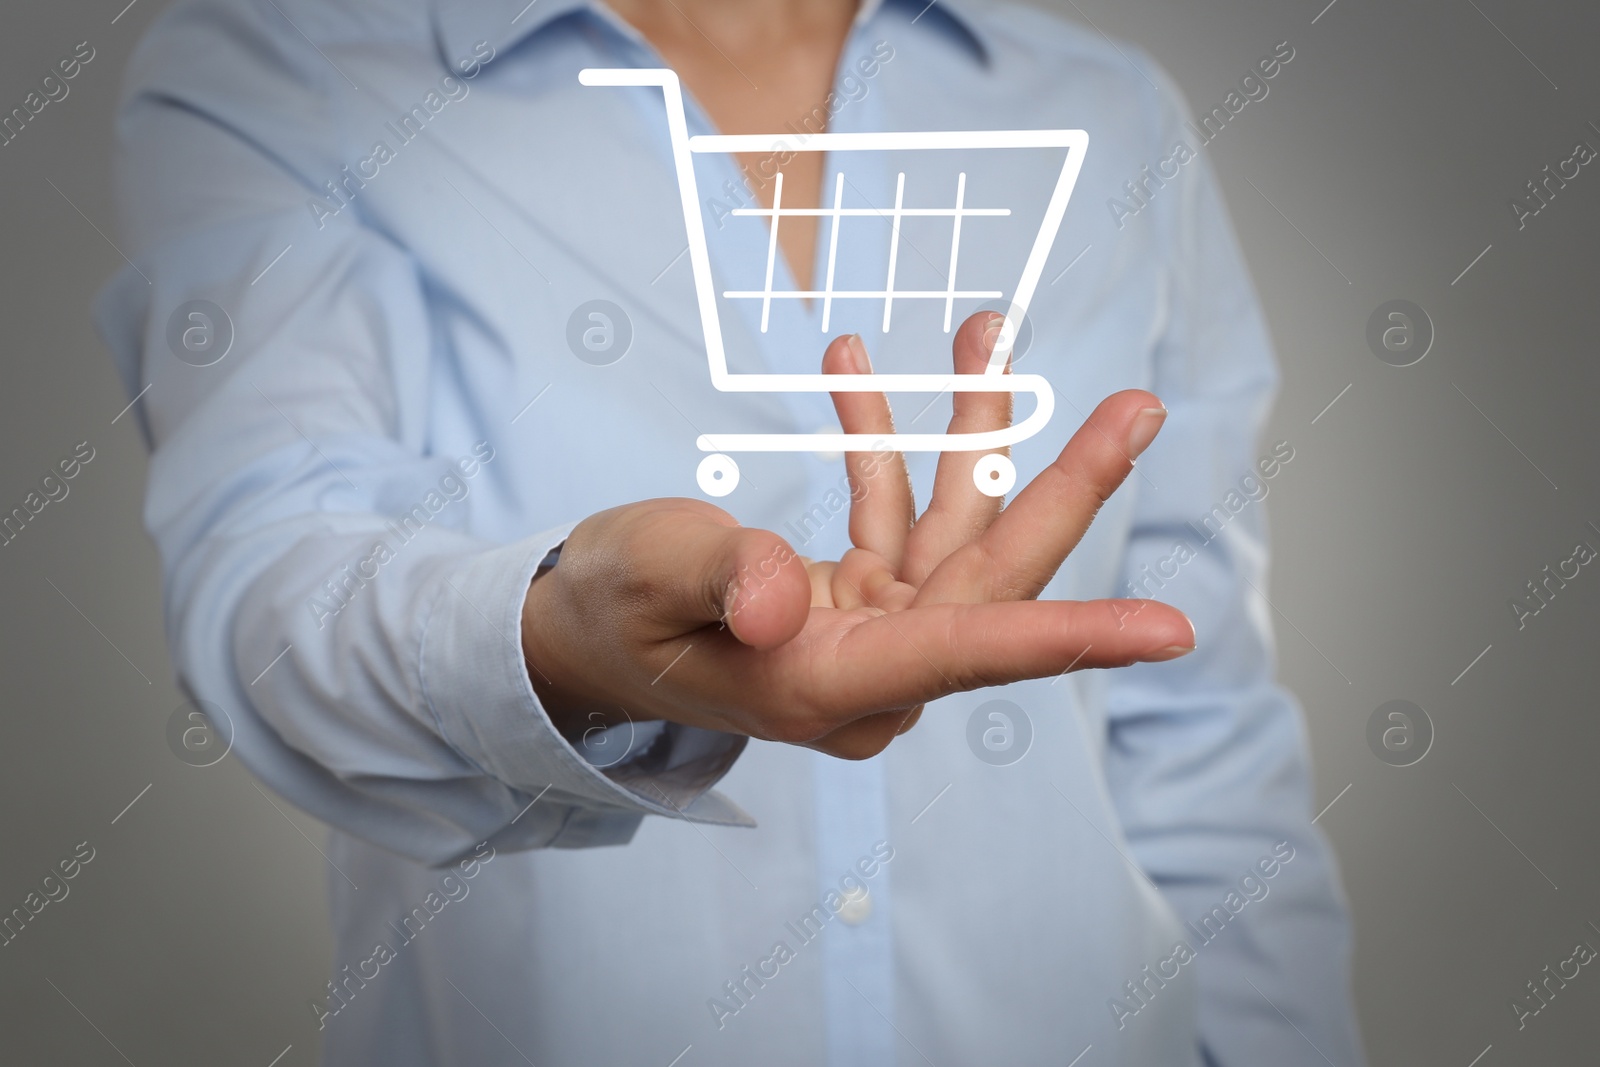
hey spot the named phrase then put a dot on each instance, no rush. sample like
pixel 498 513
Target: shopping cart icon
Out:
pixel 994 475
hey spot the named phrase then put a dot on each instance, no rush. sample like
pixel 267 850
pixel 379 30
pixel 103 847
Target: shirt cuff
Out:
pixel 474 681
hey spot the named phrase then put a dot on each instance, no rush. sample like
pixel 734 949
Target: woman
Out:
pixel 405 216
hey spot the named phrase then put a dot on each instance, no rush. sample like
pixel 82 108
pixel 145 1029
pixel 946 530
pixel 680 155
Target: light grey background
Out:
pixel 1378 167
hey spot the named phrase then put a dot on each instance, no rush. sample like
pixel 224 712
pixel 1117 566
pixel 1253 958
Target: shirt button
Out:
pixel 856 909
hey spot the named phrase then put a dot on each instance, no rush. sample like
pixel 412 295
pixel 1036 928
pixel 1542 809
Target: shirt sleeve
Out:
pixel 323 586
pixel 1206 756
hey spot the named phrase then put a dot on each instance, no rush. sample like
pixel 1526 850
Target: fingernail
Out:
pixel 858 354
pixel 992 331
pixel 1174 651
pixel 1146 425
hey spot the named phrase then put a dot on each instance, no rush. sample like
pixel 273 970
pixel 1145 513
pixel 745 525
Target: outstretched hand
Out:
pixel 668 609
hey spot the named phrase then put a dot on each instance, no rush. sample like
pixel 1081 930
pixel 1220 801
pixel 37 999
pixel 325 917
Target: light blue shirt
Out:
pixel 402 208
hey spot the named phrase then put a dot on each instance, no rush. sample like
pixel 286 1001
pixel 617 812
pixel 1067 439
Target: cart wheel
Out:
pixel 718 475
pixel 994 475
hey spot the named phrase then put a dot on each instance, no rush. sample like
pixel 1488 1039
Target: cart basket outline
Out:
pixel 718 474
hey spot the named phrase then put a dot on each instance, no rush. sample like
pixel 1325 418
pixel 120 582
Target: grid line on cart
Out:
pixel 888 294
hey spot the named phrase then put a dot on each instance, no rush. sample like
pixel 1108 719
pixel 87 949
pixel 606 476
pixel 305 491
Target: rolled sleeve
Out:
pixel 475 682
pixel 327 587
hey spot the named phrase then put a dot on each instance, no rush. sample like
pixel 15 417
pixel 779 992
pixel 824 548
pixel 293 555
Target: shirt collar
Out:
pixel 959 18
pixel 462 24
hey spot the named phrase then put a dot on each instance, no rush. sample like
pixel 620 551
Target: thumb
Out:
pixel 766 594
pixel 750 580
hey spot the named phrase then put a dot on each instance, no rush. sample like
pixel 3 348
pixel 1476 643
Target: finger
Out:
pixel 1046 520
pixel 958 512
pixel 821 577
pixel 847 667
pixel 863 579
pixel 882 508
pixel 718 571
pixel 906 658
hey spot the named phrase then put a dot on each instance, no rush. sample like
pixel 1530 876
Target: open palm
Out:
pixel 677 612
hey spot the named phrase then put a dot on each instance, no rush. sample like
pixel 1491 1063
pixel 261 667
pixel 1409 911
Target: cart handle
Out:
pixel 627 76
pixel 1077 141
pixel 688 194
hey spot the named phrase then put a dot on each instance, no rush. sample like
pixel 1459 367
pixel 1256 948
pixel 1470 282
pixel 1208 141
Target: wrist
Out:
pixel 541 623
pixel 565 690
